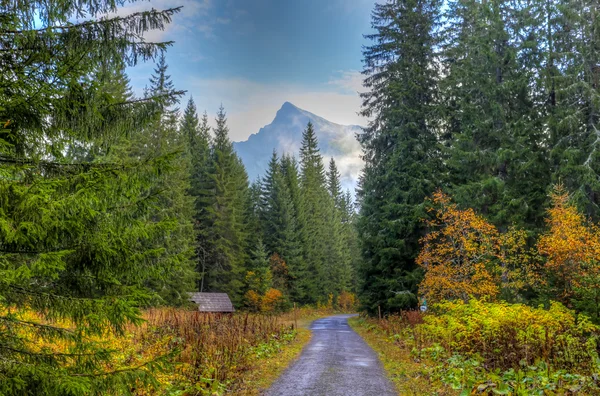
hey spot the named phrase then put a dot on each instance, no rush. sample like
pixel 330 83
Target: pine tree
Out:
pixel 400 149
pixel 333 184
pixel 293 242
pixel 351 248
pixel 78 239
pixel 315 210
pixel 574 82
pixel 226 212
pixel 335 262
pixel 494 149
pixel 197 136
pixel 161 138
pixel 259 277
pixel 269 203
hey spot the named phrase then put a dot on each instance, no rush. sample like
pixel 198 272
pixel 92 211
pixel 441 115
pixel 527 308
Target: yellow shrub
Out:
pixel 271 300
pixel 346 301
pixel 508 335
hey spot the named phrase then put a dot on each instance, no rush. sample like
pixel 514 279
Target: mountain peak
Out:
pixel 284 134
pixel 288 108
pixel 288 105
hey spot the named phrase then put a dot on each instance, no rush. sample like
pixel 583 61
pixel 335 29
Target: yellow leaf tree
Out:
pixel 571 249
pixel 459 254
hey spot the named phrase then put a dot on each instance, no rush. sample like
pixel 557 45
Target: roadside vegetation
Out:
pixel 177 351
pixel 479 336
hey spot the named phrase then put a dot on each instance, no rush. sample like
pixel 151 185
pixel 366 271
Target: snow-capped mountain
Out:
pixel 284 134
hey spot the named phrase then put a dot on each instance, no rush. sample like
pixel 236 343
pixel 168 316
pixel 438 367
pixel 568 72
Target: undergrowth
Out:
pixel 493 348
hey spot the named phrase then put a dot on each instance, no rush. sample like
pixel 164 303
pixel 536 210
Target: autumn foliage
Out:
pixel 465 256
pixel 268 302
pixel 571 249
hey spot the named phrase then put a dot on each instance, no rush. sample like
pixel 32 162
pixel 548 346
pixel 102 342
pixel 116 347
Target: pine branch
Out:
pixel 167 14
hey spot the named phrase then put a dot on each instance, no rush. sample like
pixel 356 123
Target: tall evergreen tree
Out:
pixel 269 204
pixel 495 153
pixel 293 240
pixel 161 138
pixel 197 136
pixel 78 239
pixel 574 83
pixel 315 201
pixel 227 211
pixel 400 148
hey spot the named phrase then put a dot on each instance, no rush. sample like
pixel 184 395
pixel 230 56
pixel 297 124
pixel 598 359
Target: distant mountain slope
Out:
pixel 284 134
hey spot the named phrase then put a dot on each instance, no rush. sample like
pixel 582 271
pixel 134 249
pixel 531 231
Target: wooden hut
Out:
pixel 212 302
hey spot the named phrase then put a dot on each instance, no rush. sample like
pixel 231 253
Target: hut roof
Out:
pixel 212 302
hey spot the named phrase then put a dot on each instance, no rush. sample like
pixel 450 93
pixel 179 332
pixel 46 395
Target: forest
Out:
pixel 480 193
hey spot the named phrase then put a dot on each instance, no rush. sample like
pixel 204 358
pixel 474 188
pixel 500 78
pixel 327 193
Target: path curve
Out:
pixel 336 362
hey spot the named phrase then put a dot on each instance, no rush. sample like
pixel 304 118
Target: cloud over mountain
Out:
pixel 284 135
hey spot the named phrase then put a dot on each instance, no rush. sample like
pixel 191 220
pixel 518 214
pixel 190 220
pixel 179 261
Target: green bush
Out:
pixel 504 336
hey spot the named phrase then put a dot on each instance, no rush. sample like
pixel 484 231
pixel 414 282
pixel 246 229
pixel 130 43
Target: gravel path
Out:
pixel 335 362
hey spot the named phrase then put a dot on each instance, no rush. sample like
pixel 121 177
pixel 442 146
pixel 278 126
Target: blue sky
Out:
pixel 252 55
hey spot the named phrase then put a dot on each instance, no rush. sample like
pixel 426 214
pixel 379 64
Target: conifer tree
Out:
pixel 494 150
pixel 226 215
pixel 574 82
pixel 335 262
pixel 333 184
pixel 400 149
pixel 269 204
pixel 259 277
pixel 350 243
pixel 78 239
pixel 161 138
pixel 293 240
pixel 197 136
pixel 315 210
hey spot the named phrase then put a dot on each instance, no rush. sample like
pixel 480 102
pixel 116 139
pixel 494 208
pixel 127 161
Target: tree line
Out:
pixel 290 232
pixel 494 102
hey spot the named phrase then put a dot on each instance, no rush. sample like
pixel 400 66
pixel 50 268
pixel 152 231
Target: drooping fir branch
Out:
pixel 135 23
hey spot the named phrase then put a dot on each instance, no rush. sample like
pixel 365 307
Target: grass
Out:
pixel 190 353
pixel 266 370
pixel 410 376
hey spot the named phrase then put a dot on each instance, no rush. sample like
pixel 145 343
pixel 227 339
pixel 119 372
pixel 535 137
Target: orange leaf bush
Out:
pixel 571 248
pixel 271 300
pixel 346 302
pixel 461 254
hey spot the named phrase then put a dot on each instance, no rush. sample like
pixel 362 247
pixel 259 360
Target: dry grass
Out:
pixel 241 353
pixel 265 371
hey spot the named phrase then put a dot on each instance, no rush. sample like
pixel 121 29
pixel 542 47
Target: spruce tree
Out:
pixel 333 184
pixel 269 204
pixel 400 149
pixel 335 264
pixel 315 201
pixel 293 241
pixel 162 137
pixel 227 206
pixel 494 137
pixel 197 136
pixel 78 239
pixel 574 117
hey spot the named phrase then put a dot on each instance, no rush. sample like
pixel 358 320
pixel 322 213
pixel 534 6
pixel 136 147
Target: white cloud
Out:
pixel 194 15
pixel 251 105
pixel 348 80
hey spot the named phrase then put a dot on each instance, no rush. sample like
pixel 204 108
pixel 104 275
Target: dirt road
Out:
pixel 336 362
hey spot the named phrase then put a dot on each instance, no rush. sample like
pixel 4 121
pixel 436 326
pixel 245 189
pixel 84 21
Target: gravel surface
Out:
pixel 335 362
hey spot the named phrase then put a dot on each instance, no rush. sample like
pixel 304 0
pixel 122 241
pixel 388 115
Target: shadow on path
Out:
pixel 336 361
